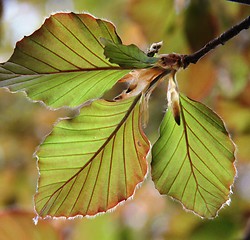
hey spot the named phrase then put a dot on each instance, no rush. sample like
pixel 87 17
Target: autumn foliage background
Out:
pixel 221 80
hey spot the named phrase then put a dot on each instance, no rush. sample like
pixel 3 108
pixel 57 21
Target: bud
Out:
pixel 173 98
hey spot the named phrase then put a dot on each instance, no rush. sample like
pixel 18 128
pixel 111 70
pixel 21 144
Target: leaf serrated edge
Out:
pixel 37 217
pixel 234 162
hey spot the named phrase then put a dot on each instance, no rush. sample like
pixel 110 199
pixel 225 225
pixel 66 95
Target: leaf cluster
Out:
pixel 94 161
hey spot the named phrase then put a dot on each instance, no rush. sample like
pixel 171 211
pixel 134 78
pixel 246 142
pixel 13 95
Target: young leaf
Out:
pixel 62 63
pixel 127 56
pixel 91 163
pixel 193 162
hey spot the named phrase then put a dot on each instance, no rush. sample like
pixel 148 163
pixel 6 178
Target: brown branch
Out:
pixel 222 39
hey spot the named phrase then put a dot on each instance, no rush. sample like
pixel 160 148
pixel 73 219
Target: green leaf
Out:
pixel 127 56
pixel 62 63
pixel 91 163
pixel 193 162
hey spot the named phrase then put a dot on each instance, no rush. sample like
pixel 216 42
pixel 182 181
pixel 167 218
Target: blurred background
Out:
pixel 220 80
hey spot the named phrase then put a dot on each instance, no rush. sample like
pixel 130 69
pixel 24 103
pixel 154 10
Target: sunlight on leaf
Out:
pixel 63 63
pixel 127 56
pixel 91 163
pixel 193 162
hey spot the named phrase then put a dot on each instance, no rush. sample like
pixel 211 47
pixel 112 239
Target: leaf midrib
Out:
pixel 190 161
pixel 68 71
pixel 99 150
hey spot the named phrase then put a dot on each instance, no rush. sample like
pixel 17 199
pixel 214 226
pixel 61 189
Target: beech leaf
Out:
pixel 91 163
pixel 62 63
pixel 127 56
pixel 193 162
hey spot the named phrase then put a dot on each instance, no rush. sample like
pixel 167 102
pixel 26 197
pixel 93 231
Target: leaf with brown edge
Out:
pixel 62 63
pixel 194 162
pixel 93 162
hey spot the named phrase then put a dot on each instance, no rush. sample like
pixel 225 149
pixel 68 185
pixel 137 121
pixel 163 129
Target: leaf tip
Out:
pixel 35 219
pixel 177 119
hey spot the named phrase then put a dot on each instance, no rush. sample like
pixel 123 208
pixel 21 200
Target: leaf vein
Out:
pixel 208 132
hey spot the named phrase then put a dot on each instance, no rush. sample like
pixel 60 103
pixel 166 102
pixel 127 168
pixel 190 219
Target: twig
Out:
pixel 224 37
pixel 241 1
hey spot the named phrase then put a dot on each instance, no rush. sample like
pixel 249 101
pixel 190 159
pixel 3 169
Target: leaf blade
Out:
pixel 193 162
pixel 65 57
pixel 129 56
pixel 82 169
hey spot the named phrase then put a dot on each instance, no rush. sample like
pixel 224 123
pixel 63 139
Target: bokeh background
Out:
pixel 220 80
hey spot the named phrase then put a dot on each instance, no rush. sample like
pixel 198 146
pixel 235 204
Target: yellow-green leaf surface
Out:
pixel 91 163
pixel 127 56
pixel 62 63
pixel 193 162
